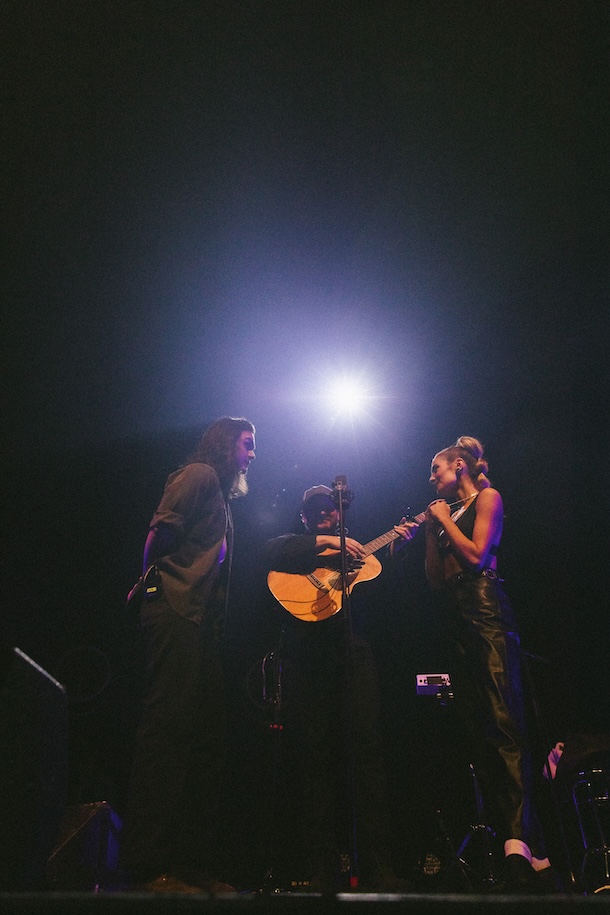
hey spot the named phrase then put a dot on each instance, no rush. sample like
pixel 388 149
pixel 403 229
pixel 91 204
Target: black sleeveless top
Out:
pixel 466 524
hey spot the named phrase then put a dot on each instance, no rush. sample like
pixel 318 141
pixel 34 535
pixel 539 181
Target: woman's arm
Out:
pixel 473 554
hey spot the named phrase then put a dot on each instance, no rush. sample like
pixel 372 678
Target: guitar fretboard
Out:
pixel 373 545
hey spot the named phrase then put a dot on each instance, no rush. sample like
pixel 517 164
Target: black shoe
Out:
pixel 518 877
pixel 549 882
pixel 181 881
pixel 165 883
pixel 324 881
pixel 207 883
pixel 383 880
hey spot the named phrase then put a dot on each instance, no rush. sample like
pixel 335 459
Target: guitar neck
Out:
pixel 373 545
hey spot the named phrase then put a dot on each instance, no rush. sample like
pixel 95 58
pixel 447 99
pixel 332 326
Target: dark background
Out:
pixel 222 207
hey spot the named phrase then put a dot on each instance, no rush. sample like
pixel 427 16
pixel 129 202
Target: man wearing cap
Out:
pixel 300 553
pixel 331 719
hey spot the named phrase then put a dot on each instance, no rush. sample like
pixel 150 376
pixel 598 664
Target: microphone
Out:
pixel 341 494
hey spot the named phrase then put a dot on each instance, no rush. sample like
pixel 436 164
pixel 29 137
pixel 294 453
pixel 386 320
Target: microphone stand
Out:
pixel 526 664
pixel 342 498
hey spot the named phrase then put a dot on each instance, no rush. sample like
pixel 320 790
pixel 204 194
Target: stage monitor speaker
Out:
pixel 33 768
pixel 86 852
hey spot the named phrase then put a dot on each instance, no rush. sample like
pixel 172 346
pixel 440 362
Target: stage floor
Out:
pixel 130 903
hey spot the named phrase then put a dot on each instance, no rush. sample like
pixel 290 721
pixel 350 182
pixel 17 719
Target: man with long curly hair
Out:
pixel 170 835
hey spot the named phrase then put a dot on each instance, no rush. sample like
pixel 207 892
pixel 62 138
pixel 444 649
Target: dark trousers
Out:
pixel 489 700
pixel 335 744
pixel 175 788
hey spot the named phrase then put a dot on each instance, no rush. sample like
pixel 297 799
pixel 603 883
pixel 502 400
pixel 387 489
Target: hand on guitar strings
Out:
pixel 354 549
pixel 406 530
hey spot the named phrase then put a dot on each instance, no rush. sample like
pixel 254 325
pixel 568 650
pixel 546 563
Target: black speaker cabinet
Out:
pixel 33 768
pixel 86 852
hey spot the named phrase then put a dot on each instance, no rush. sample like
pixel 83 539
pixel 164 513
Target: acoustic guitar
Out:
pixel 319 594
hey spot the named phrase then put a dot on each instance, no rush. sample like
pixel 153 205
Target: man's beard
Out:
pixel 239 486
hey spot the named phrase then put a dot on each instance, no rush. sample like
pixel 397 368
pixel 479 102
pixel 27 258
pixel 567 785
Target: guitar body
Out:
pixel 318 595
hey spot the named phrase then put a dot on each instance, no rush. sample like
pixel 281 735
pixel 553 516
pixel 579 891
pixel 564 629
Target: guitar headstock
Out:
pixel 414 519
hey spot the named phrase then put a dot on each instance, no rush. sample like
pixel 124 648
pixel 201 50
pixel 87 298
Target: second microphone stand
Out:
pixel 342 498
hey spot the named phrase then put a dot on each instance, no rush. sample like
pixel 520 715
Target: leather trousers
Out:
pixel 489 700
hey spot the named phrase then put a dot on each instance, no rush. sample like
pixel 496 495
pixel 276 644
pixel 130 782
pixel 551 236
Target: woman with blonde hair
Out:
pixel 463 530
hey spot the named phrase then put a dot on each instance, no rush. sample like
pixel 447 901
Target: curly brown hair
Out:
pixel 216 447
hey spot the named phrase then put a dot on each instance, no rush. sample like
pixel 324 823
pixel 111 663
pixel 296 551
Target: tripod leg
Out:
pixel 484 829
pixel 456 860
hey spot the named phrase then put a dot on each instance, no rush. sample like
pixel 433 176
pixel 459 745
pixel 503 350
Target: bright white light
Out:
pixel 348 395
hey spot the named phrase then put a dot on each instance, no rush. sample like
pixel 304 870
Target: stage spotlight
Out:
pixel 348 395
